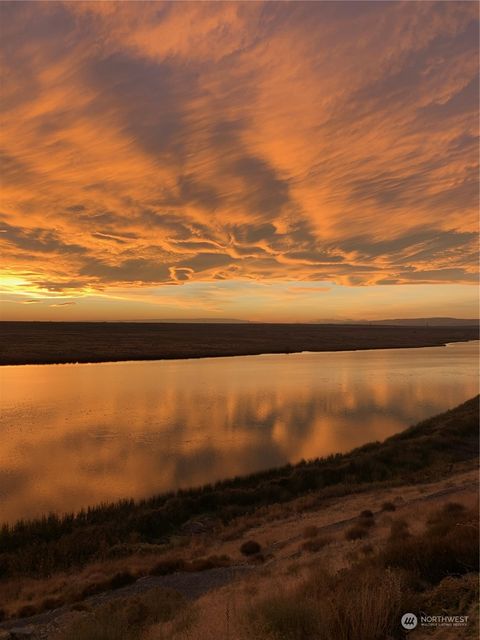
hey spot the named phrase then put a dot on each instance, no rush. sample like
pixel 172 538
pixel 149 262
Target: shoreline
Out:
pixel 241 355
pixel 93 343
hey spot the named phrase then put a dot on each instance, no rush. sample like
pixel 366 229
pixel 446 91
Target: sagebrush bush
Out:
pixel 388 506
pixel 356 532
pixel 452 595
pixel 26 611
pixel 399 530
pixel 448 546
pixel 366 513
pixel 167 566
pixel 326 607
pixel 316 544
pixel 250 548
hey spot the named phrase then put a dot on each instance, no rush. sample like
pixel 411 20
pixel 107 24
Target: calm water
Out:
pixel 73 435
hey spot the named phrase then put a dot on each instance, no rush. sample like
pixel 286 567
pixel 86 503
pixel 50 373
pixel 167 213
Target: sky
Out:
pixel 268 161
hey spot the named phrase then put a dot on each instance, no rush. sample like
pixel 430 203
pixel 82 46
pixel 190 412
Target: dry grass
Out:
pixel 317 544
pixel 125 618
pixel 310 532
pixel 23 597
pixel 299 598
pixel 325 607
pixel 447 546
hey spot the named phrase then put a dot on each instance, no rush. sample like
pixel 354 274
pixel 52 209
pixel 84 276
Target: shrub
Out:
pixel 366 523
pixel 250 548
pixel 121 580
pixel 442 520
pixel 325 607
pixel 52 603
pixel 388 506
pixel 316 544
pixel 367 549
pixel 26 611
pixel 356 532
pixel 366 513
pixel 452 595
pixel 399 530
pixel 167 566
pixel 445 548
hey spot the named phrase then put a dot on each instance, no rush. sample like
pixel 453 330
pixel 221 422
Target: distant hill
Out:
pixel 406 322
pixel 410 322
pixel 431 322
pixel 195 320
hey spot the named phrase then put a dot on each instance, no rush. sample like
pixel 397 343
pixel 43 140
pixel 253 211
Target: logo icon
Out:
pixel 409 621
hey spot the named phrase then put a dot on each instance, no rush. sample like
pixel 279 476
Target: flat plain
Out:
pixel 64 342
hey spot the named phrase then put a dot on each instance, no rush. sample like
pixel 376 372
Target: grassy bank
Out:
pixel 423 452
pixel 61 342
pixel 418 552
pixel 316 603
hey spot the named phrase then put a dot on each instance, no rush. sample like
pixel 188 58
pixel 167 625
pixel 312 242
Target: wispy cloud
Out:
pixel 150 144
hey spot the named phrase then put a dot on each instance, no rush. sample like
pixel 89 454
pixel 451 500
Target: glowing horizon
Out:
pixel 259 161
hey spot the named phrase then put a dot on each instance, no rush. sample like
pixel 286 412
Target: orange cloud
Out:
pixel 150 144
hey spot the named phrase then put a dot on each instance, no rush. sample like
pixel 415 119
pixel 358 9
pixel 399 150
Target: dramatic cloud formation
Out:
pixel 146 144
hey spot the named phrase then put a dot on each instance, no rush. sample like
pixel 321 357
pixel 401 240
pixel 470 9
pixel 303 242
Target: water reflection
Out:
pixel 74 435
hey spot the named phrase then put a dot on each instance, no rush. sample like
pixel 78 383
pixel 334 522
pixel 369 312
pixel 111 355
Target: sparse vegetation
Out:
pixel 126 618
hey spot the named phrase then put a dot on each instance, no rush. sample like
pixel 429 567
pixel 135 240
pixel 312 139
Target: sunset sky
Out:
pixel 262 161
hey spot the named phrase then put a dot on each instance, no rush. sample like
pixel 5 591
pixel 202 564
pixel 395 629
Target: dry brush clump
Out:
pixel 448 546
pixel 317 544
pixel 250 548
pixel 388 506
pixel 325 606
